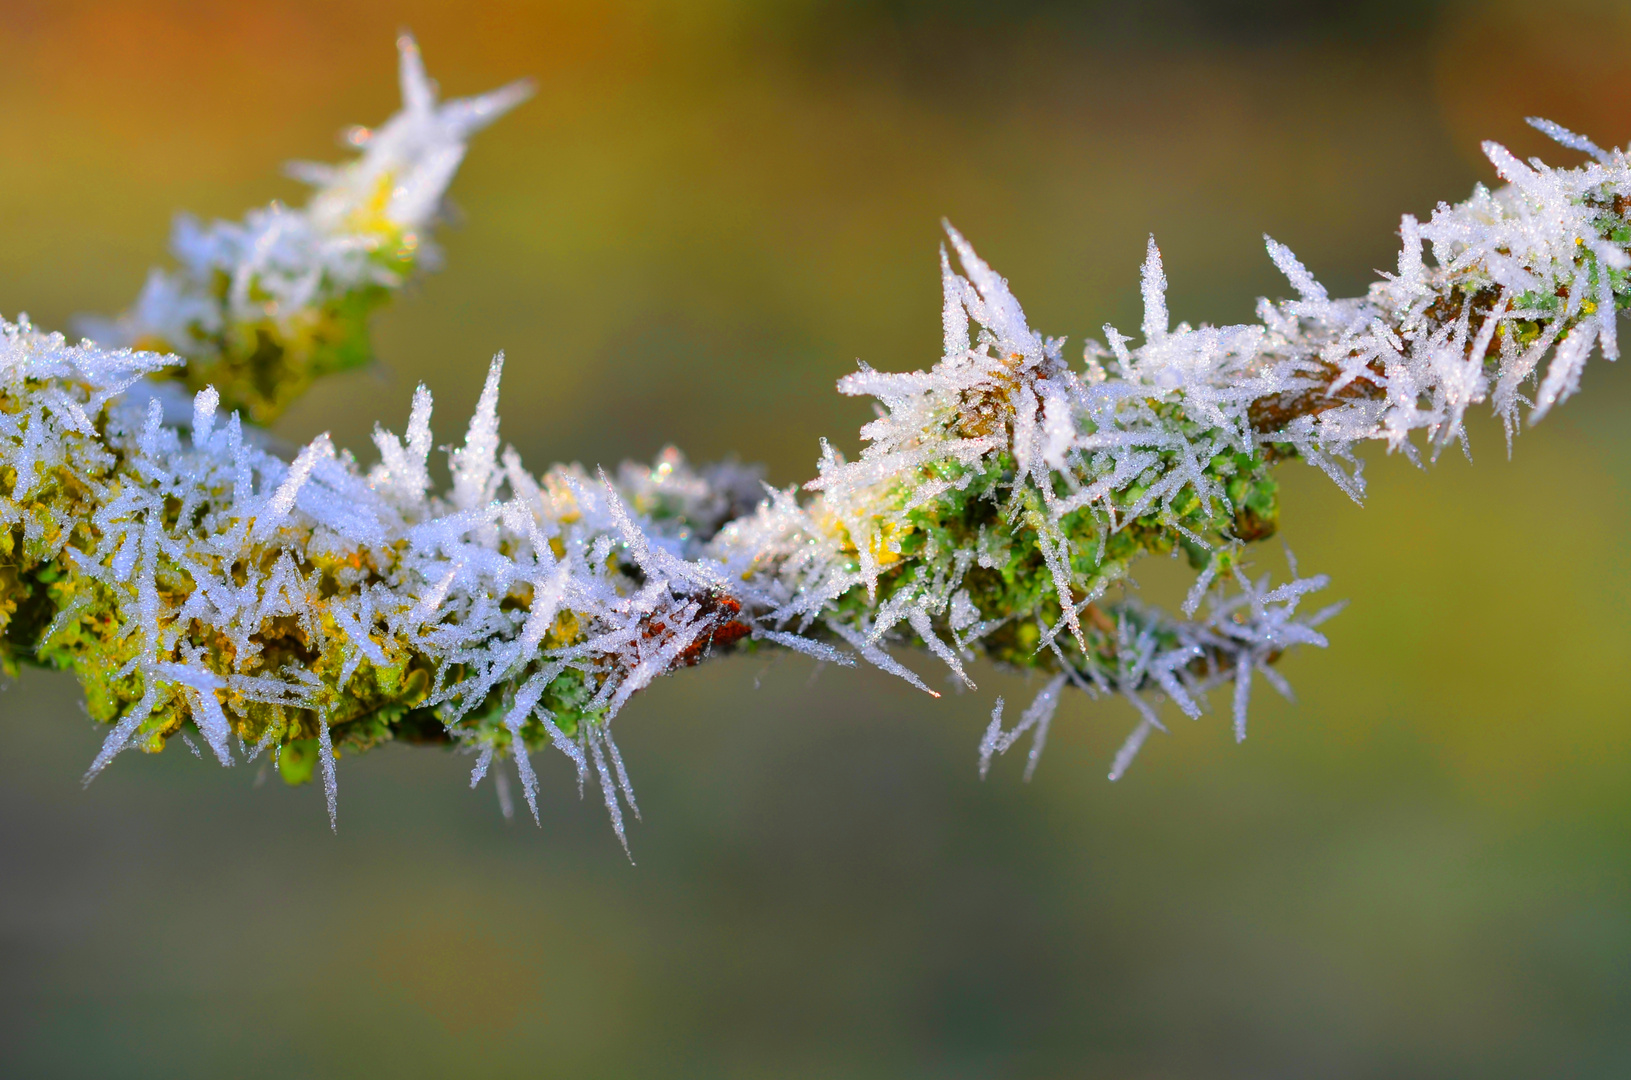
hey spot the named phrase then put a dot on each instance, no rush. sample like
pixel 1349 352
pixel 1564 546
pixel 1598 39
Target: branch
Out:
pixel 192 579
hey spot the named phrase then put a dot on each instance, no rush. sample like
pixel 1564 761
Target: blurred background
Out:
pixel 710 211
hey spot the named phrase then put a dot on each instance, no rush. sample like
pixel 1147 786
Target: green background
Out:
pixel 707 214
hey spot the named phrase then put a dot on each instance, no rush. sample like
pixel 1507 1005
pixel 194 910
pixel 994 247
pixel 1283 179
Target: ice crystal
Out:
pixel 196 580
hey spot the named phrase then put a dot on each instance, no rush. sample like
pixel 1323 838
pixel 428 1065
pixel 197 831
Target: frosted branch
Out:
pixel 192 579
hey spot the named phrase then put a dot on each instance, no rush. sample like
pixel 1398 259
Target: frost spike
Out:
pixel 1129 750
pixel 475 463
pixel 1563 136
pixel 119 737
pixel 418 94
pixel 1153 285
pixel 1295 272
pixel 277 508
pixel 989 740
pixel 204 406
pixel 331 786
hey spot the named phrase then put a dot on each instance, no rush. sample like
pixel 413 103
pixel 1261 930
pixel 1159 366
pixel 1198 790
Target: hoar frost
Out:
pixel 309 605
pixel 259 308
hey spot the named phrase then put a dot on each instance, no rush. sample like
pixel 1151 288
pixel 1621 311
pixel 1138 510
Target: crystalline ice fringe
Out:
pixel 1129 750
pixel 989 740
pixel 331 786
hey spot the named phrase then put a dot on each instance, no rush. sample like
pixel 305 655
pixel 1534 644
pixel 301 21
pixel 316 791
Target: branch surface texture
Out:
pixel 197 582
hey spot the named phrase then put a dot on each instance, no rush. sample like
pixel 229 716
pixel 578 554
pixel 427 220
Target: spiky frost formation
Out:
pixel 260 308
pixel 193 579
pixel 189 577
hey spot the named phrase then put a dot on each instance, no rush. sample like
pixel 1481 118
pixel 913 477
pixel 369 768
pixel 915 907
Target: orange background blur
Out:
pixel 711 209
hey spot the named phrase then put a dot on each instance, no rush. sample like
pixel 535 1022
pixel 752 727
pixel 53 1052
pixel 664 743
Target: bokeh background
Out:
pixel 712 209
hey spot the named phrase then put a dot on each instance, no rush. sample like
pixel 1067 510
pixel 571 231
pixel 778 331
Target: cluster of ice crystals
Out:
pixel 998 497
pixel 1243 634
pixel 209 547
pixel 1135 440
pixel 365 225
pixel 1539 264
